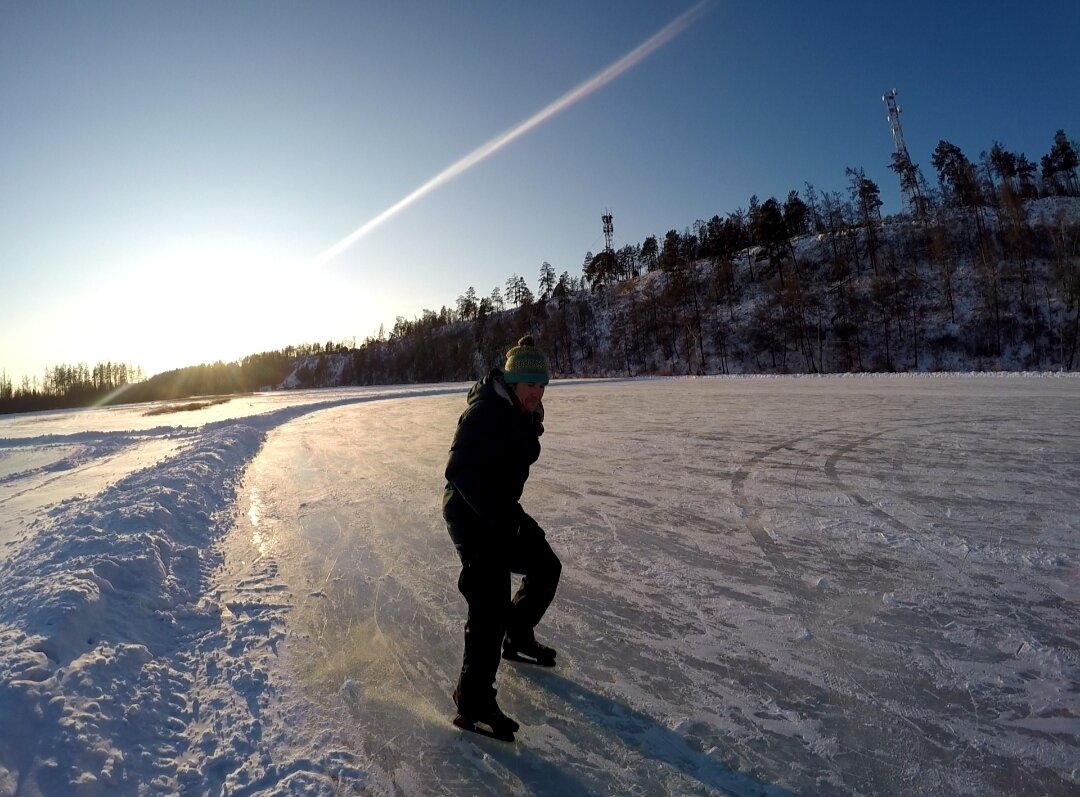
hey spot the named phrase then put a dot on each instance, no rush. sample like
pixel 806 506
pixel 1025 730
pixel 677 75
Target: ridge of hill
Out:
pixel 968 290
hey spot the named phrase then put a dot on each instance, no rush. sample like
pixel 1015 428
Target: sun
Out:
pixel 200 304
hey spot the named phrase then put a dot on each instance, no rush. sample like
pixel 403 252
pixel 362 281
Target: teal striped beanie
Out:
pixel 526 363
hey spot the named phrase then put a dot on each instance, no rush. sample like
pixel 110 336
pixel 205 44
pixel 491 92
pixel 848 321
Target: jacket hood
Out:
pixel 491 387
pixel 494 388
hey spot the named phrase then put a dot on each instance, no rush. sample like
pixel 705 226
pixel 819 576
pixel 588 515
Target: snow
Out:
pixel 778 585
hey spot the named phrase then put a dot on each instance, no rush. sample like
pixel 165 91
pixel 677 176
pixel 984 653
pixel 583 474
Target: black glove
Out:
pixel 530 526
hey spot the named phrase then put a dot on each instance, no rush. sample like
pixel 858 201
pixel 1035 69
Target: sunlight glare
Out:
pixel 214 301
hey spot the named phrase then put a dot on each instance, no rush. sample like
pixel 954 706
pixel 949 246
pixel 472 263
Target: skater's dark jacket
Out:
pixel 495 444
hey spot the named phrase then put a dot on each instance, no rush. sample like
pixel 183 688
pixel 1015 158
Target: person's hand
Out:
pixel 530 526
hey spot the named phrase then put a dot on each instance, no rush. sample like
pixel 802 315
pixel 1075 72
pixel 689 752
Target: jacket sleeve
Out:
pixel 473 471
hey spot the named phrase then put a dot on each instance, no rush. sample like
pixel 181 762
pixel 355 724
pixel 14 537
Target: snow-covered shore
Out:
pixel 123 670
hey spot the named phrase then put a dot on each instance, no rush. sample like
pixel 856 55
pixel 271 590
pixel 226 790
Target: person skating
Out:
pixel 496 441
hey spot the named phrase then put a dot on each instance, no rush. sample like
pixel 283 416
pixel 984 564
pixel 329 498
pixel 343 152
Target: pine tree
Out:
pixel 547 281
pixel 466 304
pixel 796 213
pixel 867 198
pixel 650 253
pixel 956 175
pixel 770 232
pixel 1059 167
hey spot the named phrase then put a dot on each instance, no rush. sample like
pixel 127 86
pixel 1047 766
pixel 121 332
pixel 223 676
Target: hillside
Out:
pixel 820 287
pixel 966 290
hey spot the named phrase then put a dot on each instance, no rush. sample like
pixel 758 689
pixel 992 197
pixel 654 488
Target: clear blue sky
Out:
pixel 169 171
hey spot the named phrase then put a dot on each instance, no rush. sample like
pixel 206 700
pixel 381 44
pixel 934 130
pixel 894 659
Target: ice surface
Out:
pixel 771 586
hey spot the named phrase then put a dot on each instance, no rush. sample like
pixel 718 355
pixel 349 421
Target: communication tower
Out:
pixel 908 171
pixel 609 230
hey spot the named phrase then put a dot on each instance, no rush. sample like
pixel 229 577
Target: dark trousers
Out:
pixel 485 583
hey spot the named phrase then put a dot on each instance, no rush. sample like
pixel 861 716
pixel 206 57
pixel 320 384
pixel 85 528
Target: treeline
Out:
pixel 254 372
pixel 65 386
pixel 982 274
pixel 69 386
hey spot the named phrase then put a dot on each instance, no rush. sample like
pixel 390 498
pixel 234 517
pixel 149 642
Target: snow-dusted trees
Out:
pixel 961 187
pixel 517 291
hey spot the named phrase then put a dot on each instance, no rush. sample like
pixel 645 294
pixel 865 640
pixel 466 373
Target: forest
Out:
pixel 980 272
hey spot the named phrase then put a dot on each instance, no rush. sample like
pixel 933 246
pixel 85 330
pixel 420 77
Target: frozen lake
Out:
pixel 818 586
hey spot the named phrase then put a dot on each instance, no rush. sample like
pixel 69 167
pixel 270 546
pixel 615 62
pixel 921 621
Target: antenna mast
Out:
pixel 902 165
pixel 609 230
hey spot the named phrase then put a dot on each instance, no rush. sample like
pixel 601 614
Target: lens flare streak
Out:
pixel 601 79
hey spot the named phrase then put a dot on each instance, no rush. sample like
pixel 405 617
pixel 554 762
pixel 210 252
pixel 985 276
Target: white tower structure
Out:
pixel 908 171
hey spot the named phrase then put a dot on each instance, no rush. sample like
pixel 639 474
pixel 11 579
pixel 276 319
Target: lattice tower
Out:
pixel 909 172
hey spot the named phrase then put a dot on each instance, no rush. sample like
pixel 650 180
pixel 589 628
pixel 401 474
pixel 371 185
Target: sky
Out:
pixel 176 178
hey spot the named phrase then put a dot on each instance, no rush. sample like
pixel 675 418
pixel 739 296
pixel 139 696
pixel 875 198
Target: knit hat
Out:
pixel 526 363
